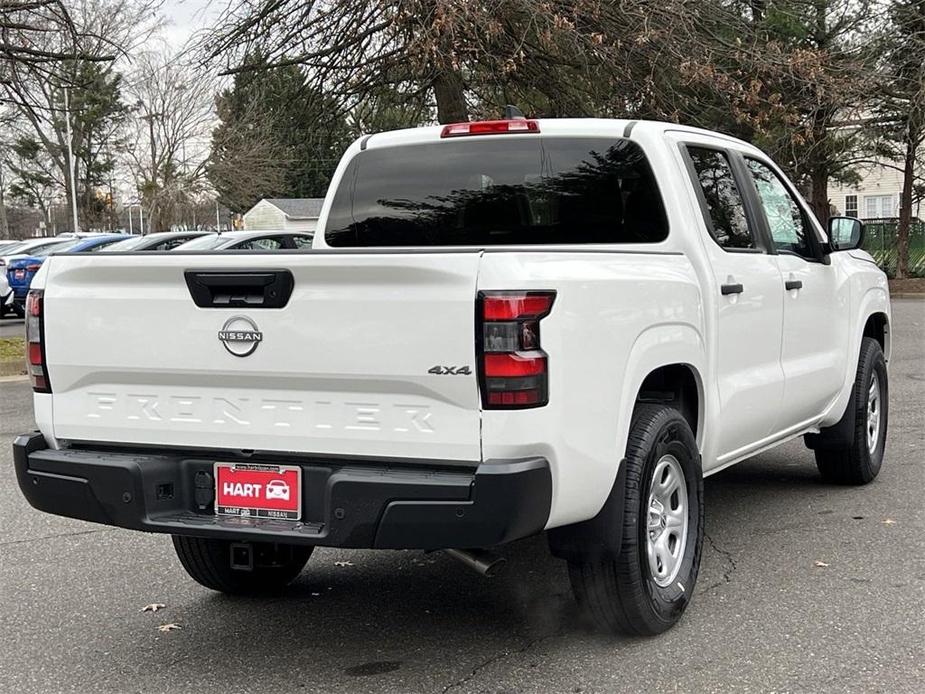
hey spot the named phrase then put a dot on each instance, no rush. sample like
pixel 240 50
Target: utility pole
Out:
pixel 141 220
pixel 70 159
pixel 218 219
pixel 130 220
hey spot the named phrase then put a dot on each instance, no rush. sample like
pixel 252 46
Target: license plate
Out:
pixel 258 491
pixel 19 274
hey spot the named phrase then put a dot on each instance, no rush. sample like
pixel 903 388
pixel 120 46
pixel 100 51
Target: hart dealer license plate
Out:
pixel 258 491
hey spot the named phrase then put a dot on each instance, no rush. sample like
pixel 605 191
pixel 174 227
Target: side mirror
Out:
pixel 845 233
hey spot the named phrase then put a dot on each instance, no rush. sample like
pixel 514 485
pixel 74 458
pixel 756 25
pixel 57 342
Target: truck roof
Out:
pixel 556 127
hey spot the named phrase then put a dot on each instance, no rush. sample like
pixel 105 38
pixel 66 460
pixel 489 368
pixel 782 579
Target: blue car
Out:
pixel 20 272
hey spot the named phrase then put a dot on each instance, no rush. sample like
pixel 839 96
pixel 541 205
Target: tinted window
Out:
pixel 127 245
pixel 264 244
pixel 100 246
pixel 494 191
pixel 727 221
pixel 302 241
pixel 202 243
pixel 61 247
pixel 170 244
pixel 789 227
pixel 40 247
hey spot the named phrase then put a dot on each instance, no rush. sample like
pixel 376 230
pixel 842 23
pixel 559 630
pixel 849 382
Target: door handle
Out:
pixel 240 288
pixel 727 289
pixel 793 284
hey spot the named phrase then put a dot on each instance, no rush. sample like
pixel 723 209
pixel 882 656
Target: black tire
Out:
pixel 208 562
pixel 852 461
pixel 20 311
pixel 621 594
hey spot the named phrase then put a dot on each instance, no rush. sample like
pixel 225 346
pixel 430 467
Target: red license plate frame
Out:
pixel 258 490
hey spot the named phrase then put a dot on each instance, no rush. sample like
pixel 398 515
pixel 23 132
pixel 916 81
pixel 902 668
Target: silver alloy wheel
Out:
pixel 873 413
pixel 666 522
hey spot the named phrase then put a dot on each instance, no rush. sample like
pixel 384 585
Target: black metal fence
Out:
pixel 880 242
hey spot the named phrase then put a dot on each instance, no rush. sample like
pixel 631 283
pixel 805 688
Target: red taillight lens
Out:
pixel 491 127
pixel 33 268
pixel 514 365
pixel 35 353
pixel 35 348
pixel 513 370
pixel 517 306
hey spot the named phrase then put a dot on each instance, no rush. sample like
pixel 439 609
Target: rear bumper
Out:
pixel 355 504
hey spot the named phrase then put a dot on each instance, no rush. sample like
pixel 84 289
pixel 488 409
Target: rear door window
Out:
pixel 497 191
pixel 724 208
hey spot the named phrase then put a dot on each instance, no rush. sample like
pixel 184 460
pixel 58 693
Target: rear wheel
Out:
pixel 241 568
pixel 645 589
pixel 858 460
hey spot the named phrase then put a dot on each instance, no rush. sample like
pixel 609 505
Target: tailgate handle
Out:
pixel 240 289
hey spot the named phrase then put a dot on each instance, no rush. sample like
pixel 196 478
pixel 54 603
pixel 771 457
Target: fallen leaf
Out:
pixel 821 564
pixel 153 607
pixel 343 563
pixel 888 521
pixel 168 627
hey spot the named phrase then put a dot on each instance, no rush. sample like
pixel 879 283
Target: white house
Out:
pixel 289 214
pixel 876 196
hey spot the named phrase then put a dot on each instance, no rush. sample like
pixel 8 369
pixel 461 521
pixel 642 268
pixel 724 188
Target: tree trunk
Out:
pixel 449 93
pixel 905 208
pixel 4 224
pixel 819 200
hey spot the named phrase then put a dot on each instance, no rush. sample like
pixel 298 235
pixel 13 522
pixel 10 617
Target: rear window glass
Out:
pixel 202 243
pixel 529 190
pixel 45 251
pixel 127 245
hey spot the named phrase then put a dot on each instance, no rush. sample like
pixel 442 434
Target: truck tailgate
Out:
pixel 341 369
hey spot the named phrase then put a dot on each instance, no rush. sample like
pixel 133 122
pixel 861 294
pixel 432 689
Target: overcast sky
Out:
pixel 186 17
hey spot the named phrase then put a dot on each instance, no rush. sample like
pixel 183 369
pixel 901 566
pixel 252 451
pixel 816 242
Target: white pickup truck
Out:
pixel 502 327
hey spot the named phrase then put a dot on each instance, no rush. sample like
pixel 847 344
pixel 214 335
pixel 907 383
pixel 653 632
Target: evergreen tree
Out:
pixel 278 137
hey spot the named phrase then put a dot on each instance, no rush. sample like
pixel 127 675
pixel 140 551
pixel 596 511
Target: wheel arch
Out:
pixel 877 326
pixel 664 354
pixel 874 319
pixel 666 364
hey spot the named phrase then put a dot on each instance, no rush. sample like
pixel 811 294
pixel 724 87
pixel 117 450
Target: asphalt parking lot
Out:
pixel 804 587
pixel 10 326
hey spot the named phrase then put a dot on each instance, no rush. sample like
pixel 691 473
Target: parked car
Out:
pixel 6 296
pixel 249 241
pixel 160 241
pixel 22 249
pixel 21 271
pixel 504 327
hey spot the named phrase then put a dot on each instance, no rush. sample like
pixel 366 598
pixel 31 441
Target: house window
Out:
pixel 851 206
pixel 880 206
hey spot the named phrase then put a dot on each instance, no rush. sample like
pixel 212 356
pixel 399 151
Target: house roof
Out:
pixel 298 208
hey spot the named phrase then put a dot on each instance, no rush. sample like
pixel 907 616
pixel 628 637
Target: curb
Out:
pixel 13 379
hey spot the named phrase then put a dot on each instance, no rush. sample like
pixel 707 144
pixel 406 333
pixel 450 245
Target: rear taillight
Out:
pixel 35 345
pixel 513 369
pixel 491 127
pixel 33 268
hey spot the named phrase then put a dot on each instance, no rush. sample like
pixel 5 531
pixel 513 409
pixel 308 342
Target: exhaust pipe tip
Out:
pixel 481 561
